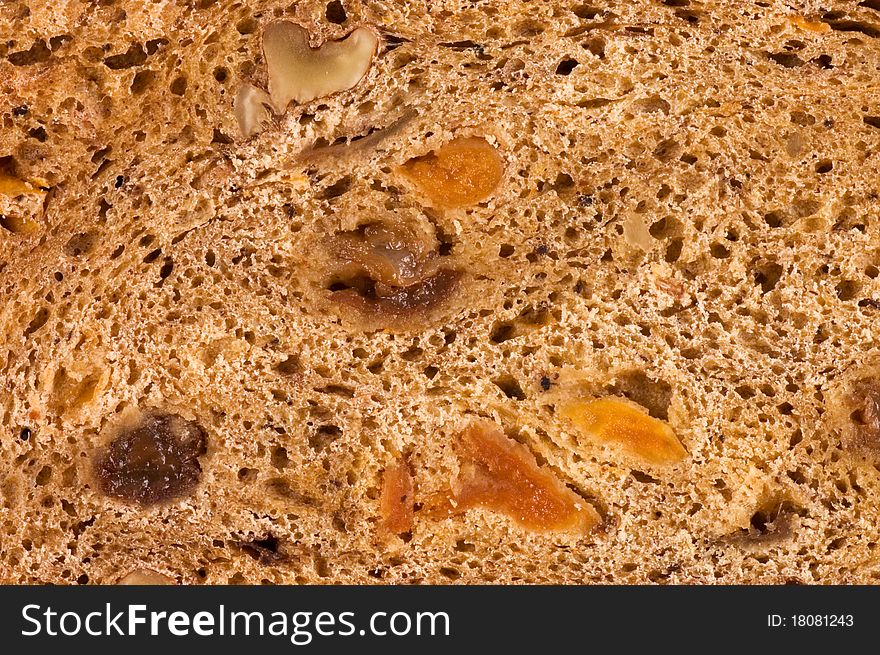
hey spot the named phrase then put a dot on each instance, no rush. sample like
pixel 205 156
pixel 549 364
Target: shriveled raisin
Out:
pixel 862 403
pixel 152 461
pixel 397 306
pixel 391 274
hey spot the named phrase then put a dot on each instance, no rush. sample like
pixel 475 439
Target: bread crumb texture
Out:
pixel 447 291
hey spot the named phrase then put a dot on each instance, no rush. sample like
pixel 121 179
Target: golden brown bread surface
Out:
pixel 612 266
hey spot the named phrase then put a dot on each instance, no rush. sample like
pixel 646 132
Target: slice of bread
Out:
pixel 430 291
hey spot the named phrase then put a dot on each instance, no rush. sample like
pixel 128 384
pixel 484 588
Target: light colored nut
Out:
pixel 636 233
pixel 854 412
pixel 145 577
pixel 624 426
pixel 251 109
pixel 298 72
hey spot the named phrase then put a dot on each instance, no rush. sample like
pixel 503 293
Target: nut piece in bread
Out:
pixel 301 73
pixel 251 109
pixel 143 577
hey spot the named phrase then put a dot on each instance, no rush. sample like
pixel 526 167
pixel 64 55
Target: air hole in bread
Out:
pixel 848 289
pixel 335 12
pixel 767 276
pixel 566 66
pixel 786 59
pixel 510 387
pixel 863 27
pixel 246 26
pixel 653 394
pixel 134 56
pixel 38 321
pixel 142 81
pixel 323 436
pixel 38 53
pixel 586 12
pixel 178 86
pixel 673 250
pixel 267 550
pixel 338 188
pixel 773 520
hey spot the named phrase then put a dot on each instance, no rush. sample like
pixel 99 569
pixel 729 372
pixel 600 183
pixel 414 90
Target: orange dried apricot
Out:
pixel 20 200
pixel 396 500
pixel 617 423
pixel 501 475
pixel 460 173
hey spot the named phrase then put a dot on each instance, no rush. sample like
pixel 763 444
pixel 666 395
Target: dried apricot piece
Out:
pixel 460 173
pixel 624 425
pixel 499 474
pixel 810 25
pixel 396 500
pixel 20 200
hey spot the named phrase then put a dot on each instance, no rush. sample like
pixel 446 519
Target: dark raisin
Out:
pixel 25 434
pixel 153 461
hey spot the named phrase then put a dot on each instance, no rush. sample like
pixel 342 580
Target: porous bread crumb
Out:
pixel 174 263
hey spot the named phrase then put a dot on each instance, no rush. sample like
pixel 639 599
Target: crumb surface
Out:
pixel 686 219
